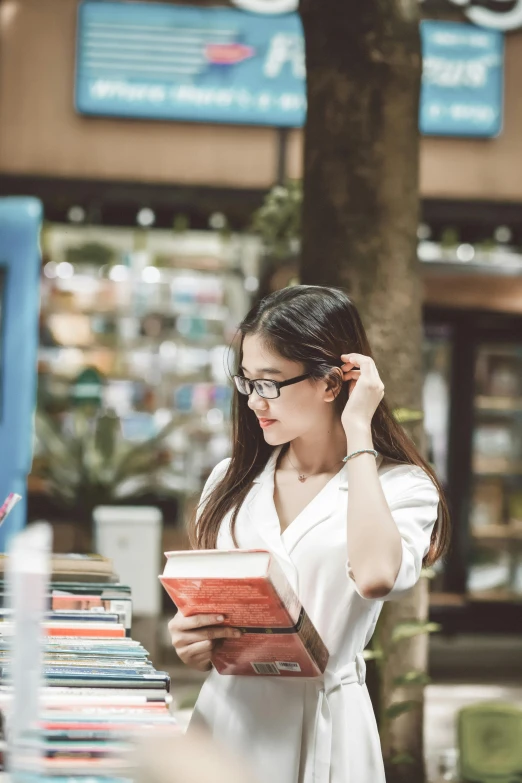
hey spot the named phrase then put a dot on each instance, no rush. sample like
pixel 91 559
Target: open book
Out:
pixel 250 589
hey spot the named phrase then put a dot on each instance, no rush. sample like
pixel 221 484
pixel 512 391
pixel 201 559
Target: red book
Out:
pixel 76 602
pixel 250 589
pixel 88 630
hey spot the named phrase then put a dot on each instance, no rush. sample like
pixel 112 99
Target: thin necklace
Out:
pixel 301 476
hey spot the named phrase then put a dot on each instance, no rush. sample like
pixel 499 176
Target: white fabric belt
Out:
pixel 351 673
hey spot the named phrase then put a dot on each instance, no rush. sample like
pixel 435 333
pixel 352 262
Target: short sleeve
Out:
pixel 414 507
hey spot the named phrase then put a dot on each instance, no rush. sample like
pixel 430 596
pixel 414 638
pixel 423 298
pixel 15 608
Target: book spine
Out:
pixel 313 643
pixel 284 592
pixel 84 633
pixel 310 639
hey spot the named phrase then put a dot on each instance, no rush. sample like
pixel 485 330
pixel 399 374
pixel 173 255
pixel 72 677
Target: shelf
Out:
pixel 495 261
pixel 488 404
pixel 210 311
pixel 512 532
pixel 447 600
pixel 499 474
pixel 494 596
pixel 496 467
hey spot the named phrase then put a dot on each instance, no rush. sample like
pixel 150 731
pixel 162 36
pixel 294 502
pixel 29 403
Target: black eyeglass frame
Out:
pixel 278 384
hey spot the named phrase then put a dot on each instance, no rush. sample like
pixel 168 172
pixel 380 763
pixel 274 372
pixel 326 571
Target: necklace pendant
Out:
pixel 301 477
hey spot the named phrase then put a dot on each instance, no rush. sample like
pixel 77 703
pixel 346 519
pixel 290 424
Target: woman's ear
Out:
pixel 334 384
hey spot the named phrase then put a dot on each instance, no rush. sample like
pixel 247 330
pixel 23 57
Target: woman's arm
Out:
pixel 374 542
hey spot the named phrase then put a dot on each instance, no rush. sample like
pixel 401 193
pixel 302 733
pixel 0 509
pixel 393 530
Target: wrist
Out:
pixel 357 428
pixel 358 436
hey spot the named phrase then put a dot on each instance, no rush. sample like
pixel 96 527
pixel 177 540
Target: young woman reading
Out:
pixel 323 477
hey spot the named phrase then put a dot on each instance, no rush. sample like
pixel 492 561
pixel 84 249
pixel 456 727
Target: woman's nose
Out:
pixel 257 403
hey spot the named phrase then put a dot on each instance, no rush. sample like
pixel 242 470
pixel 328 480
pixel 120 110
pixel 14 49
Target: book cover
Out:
pixel 86 630
pixel 114 598
pixel 72 563
pixel 73 616
pixel 121 605
pixel 250 589
pixel 101 682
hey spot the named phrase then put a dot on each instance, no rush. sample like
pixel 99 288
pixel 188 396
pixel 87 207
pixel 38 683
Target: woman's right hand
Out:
pixel 194 638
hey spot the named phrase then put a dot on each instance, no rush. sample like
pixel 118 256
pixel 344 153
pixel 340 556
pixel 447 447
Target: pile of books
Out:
pixel 99 688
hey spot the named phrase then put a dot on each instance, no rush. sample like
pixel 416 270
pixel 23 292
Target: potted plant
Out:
pixel 89 463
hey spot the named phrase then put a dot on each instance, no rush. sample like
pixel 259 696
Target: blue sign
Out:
pixel 20 220
pixel 462 82
pixel 201 64
pixel 189 63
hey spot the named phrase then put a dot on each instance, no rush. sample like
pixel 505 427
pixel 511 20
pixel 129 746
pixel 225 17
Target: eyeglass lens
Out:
pixel 266 389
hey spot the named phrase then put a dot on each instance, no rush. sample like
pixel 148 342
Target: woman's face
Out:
pixel 299 409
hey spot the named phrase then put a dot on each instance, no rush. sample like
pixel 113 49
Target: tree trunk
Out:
pixel 360 216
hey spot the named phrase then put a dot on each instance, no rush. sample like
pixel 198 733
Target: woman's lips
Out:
pixel 264 423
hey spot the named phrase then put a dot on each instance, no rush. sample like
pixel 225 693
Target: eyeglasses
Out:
pixel 269 390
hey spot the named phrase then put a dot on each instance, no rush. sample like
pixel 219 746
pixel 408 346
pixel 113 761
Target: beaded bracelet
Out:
pixel 361 451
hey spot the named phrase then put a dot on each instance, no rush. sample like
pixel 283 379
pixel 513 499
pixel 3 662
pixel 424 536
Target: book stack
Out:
pixel 79 583
pixel 99 688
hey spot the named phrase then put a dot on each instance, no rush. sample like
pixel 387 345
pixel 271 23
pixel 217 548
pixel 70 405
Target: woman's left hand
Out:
pixel 366 390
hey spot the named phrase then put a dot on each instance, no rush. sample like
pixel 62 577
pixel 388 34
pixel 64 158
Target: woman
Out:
pixel 349 534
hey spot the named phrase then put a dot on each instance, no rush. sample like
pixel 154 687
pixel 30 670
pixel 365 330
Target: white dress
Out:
pixel 316 730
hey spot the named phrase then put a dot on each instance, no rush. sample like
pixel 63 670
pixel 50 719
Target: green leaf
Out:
pixel 409 630
pixel 401 707
pixel 402 758
pixel 106 435
pixel 372 655
pixel 413 677
pixel 88 463
pixel 50 440
pixel 278 220
pixel 407 415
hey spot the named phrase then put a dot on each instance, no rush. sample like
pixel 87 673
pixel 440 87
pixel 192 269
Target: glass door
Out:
pixel 437 352
pixel 495 524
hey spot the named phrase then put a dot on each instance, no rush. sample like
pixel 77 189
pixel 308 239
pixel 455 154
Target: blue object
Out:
pixel 189 63
pixel 201 64
pixel 20 221
pixel 462 85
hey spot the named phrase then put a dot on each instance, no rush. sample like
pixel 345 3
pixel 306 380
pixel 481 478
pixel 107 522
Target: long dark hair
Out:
pixel 313 325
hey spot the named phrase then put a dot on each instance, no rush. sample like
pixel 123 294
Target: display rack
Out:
pixel 152 314
pixel 496 506
pixel 476 357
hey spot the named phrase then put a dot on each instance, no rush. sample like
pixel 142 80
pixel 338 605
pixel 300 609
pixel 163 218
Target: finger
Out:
pixel 357 358
pixel 197 661
pixel 204 665
pixel 198 648
pixel 187 657
pixel 199 621
pixel 203 634
pixel 202 657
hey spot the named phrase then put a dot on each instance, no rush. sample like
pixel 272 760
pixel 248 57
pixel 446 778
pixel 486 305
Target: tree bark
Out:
pixel 360 207
pixel 360 215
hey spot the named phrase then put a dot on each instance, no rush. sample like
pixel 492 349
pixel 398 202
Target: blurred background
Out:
pixel 152 248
